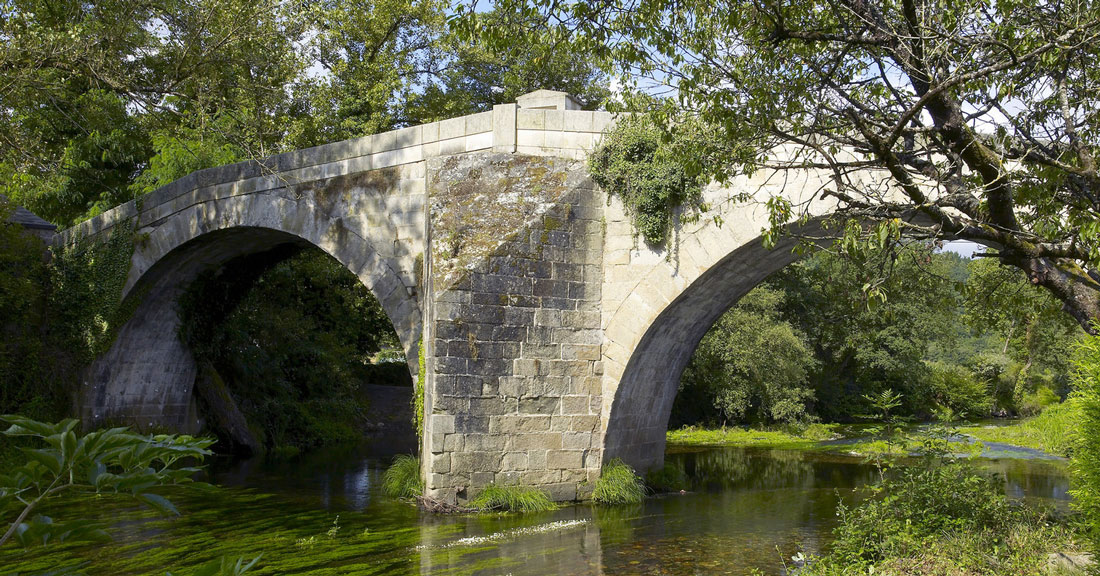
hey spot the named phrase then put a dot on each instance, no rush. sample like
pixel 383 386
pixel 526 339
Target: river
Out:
pixel 323 514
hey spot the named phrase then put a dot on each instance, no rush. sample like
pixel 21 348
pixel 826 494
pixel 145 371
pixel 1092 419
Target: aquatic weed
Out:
pixel 618 484
pixel 402 478
pixel 512 499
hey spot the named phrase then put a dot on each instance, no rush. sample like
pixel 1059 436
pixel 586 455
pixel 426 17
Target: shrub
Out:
pixel 1035 402
pixel 959 390
pixel 618 484
pixel 915 503
pixel 106 461
pixel 402 478
pixel 512 499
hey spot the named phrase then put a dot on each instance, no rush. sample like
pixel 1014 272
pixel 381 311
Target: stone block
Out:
pixel 580 352
pixel 453 442
pixel 515 461
pixel 441 463
pixel 537 441
pixel 511 424
pixel 540 405
pixel 576 440
pixel 442 423
pixel 577 404
pixel 561 491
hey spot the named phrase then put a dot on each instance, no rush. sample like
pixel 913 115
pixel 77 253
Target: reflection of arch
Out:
pixel 147 376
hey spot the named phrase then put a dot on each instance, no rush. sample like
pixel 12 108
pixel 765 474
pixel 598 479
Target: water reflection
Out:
pixel 745 510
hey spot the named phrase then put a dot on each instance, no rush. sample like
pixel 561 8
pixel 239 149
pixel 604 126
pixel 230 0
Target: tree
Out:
pixel 980 114
pixel 752 365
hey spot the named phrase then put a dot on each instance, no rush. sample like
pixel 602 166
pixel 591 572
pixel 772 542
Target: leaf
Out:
pixel 159 503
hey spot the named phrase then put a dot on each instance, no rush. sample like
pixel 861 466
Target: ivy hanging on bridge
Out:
pixel 89 276
pixel 658 172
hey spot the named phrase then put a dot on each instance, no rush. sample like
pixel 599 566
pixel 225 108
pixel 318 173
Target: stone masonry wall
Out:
pixel 515 378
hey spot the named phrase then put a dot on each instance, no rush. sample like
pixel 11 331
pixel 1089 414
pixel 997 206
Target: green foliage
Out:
pixel 291 334
pixel 642 165
pixel 512 499
pixel 402 478
pixel 105 461
pixel 34 367
pixel 618 484
pixel 940 502
pixel 419 390
pixel 790 437
pixel 958 389
pixel 752 366
pixel 89 276
pixel 224 566
pixel 670 478
pixel 973 137
pixel 1055 430
pixel 1086 455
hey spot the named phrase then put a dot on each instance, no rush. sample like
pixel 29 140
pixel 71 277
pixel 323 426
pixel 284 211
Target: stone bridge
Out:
pixel 552 338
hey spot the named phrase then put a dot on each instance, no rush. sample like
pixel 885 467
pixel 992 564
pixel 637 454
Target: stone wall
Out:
pixel 514 387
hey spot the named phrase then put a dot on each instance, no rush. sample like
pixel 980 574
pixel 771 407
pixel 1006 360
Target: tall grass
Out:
pixel 618 484
pixel 512 499
pixel 1054 430
pixel 402 478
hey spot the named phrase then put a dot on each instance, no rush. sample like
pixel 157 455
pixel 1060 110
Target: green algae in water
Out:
pixel 741 504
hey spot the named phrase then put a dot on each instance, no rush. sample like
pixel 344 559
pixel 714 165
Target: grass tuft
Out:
pixel 512 499
pixel 1052 431
pixel 402 478
pixel 618 484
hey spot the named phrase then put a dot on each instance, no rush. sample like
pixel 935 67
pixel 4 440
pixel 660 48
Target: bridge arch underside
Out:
pixel 640 412
pixel 147 377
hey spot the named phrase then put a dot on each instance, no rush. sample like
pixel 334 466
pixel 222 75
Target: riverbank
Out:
pixel 1052 431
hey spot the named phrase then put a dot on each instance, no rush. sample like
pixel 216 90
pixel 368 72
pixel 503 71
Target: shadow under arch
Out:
pixel 147 376
pixel 642 403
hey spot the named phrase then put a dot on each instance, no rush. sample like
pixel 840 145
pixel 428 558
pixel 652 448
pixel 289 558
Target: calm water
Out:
pixel 323 514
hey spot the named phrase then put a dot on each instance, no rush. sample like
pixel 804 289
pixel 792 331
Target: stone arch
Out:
pixel 658 304
pixel 147 375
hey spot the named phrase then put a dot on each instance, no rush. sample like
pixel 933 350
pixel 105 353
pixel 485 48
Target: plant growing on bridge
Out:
pixel 643 165
pixel 106 461
pixel 402 478
pixel 618 484
pixel 512 499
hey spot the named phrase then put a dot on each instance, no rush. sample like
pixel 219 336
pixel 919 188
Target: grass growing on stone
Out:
pixel 618 484
pixel 402 478
pixel 512 499
pixel 790 438
pixel 1051 431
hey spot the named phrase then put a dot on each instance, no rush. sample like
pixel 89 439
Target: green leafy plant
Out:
pixel 402 478
pixel 1086 455
pixel 512 499
pixel 106 461
pixel 644 166
pixel 224 566
pixel 618 484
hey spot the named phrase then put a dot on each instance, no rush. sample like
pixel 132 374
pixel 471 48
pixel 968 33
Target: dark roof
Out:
pixel 26 218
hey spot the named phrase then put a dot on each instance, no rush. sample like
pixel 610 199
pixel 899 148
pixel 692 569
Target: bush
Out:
pixel 959 390
pixel 1035 402
pixel 618 484
pixel 402 478
pixel 512 499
